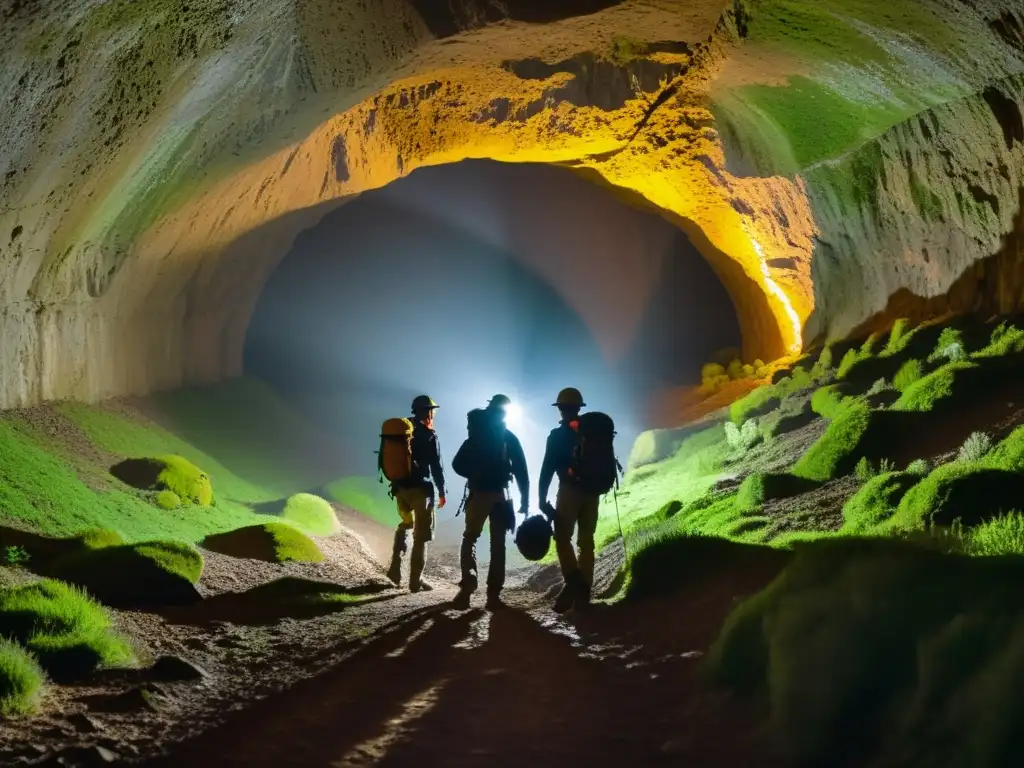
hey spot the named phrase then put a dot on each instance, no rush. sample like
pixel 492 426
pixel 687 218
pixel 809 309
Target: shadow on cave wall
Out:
pixel 688 320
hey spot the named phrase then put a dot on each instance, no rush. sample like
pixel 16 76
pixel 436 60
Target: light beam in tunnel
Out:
pixel 776 290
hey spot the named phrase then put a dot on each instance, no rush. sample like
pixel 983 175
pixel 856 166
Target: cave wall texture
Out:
pixel 834 160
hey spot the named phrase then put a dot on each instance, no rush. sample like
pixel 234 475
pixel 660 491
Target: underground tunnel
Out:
pixel 236 236
pixel 465 280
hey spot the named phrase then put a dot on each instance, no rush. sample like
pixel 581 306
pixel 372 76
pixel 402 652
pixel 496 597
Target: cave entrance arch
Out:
pixel 480 277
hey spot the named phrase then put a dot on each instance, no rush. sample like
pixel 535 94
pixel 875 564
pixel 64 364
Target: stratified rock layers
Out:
pixel 156 166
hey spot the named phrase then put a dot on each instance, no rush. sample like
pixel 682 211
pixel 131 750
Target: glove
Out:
pixel 547 509
pixel 441 501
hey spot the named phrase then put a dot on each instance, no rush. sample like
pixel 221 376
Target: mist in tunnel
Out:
pixel 466 280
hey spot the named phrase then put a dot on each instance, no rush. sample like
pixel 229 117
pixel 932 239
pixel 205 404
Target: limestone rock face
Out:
pixel 156 165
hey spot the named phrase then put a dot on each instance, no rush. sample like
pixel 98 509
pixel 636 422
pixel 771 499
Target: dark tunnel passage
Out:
pixel 479 277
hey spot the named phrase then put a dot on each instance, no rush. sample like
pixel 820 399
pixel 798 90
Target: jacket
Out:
pixel 466 458
pixel 426 459
pixel 558 455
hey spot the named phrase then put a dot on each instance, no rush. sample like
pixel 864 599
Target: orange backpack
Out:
pixel 394 459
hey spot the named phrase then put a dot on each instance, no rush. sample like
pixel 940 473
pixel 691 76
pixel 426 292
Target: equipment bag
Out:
pixel 485 453
pixel 394 459
pixel 594 466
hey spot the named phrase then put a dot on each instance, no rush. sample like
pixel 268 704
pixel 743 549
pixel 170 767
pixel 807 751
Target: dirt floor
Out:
pixel 402 677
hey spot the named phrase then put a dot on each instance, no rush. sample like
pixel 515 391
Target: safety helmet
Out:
pixel 570 396
pixel 423 403
pixel 533 538
pixel 499 401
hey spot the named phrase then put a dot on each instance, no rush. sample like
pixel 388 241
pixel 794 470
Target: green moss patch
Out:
pixel 271 542
pixel 1009 453
pixel 167 473
pixel 311 513
pixel 909 373
pixel 794 413
pixel 880 648
pixel 168 500
pixel 760 487
pixel 365 495
pixel 144 575
pixel 767 398
pixel 681 559
pixel 969 492
pixel 1005 340
pixel 940 386
pixel 876 501
pixel 684 477
pixel 21 680
pixel 69 633
pixel 837 451
pixel 830 400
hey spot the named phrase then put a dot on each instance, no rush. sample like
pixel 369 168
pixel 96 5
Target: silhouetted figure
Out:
pixel 580 451
pixel 413 490
pixel 489 459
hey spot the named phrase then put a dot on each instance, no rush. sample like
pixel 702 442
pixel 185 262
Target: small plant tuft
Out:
pixel 878 387
pixel 863 470
pixel 919 467
pixel 16 556
pixel 975 447
pixel 823 366
pixel 21 680
pixel 950 337
pixel 742 439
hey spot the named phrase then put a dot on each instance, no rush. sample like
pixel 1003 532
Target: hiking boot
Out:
pixel 565 598
pixel 494 602
pixel 461 600
pixel 395 573
pixel 422 586
pixel 582 601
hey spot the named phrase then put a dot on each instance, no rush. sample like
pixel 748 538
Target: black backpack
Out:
pixel 489 461
pixel 594 465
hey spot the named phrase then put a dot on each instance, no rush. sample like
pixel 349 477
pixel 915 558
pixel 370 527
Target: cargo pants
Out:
pixel 416 510
pixel 481 507
pixel 575 507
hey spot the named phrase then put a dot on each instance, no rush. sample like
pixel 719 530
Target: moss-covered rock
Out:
pixel 167 473
pixel 970 492
pixel 68 632
pixel 946 385
pixel 1009 453
pixel 271 542
pixel 876 501
pixel 909 373
pixel 794 413
pixel 21 680
pixel 829 401
pixel 168 500
pixel 760 487
pixel 144 575
pixel 838 450
pixel 311 513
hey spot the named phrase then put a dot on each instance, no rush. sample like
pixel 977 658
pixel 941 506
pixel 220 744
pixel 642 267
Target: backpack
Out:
pixel 594 465
pixel 394 459
pixel 489 451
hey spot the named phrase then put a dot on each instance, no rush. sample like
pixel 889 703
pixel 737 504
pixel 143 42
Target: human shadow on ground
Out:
pixel 287 597
pixel 341 712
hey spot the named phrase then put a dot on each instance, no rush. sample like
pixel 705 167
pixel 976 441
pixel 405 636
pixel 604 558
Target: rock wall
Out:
pixel 158 164
pixel 921 221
